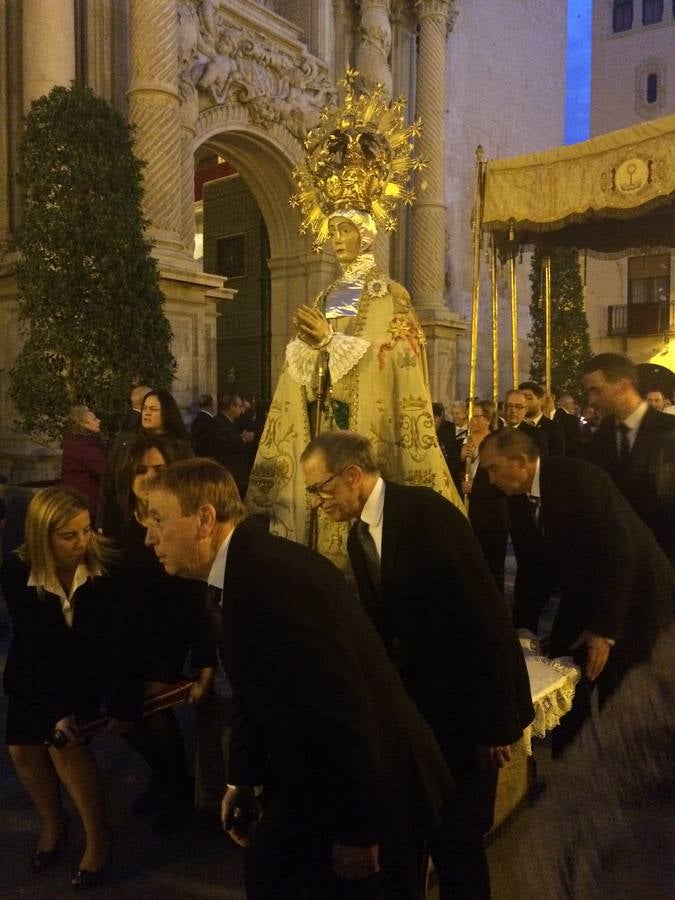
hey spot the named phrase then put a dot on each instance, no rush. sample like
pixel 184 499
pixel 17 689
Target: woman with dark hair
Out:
pixel 71 647
pixel 84 455
pixel 160 415
pixel 488 510
pixel 172 620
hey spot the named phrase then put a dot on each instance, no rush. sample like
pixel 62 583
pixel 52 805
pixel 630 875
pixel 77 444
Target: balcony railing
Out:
pixel 635 319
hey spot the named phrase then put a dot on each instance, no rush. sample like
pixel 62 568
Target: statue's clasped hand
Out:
pixel 312 327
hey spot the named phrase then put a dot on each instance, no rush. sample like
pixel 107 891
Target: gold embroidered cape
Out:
pixel 387 395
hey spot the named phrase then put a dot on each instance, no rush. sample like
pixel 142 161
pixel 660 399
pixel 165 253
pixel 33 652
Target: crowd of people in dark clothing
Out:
pixel 114 596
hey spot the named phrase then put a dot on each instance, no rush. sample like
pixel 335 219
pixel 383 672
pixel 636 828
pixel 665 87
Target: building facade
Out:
pixel 631 299
pixel 231 87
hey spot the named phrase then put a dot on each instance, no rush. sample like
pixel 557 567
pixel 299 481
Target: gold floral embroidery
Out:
pixel 400 329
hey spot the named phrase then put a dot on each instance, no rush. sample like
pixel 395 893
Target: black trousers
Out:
pixel 457 848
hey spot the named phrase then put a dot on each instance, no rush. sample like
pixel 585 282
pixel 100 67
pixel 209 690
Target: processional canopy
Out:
pixel 612 194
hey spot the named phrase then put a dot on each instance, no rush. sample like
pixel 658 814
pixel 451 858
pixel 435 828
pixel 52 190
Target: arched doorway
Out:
pixel 262 161
pixel 234 243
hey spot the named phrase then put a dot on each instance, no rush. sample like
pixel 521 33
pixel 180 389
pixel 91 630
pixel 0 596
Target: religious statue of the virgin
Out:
pixel 358 359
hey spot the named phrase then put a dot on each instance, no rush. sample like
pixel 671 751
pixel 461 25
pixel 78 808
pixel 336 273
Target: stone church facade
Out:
pixel 243 80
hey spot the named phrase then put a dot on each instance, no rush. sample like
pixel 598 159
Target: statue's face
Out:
pixel 345 239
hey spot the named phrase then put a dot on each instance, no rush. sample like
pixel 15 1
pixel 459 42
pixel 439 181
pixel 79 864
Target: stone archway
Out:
pixel 265 158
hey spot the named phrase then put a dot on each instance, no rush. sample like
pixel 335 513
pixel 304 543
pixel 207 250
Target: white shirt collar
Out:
pixel 534 420
pixel 373 509
pixel 634 420
pixel 373 513
pixel 217 572
pixel 52 585
pixel 535 490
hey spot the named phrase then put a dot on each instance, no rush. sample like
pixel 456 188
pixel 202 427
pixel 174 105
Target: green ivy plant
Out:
pixel 91 313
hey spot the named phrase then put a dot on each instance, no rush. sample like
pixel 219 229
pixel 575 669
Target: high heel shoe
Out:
pixel 85 879
pixel 45 859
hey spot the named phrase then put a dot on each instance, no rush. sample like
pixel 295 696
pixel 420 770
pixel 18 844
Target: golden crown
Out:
pixel 359 156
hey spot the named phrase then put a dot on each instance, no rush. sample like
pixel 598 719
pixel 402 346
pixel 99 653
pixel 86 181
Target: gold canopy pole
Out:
pixel 514 308
pixel 476 226
pixel 495 322
pixel 547 314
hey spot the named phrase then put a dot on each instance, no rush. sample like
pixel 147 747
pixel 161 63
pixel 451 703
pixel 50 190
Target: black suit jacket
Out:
pixel 571 426
pixel 441 614
pixel 549 436
pixel 199 433
pixel 61 670
pixel 225 444
pixel 613 578
pixel 649 482
pixel 321 716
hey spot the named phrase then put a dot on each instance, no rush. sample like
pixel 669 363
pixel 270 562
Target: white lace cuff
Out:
pixel 301 359
pixel 345 352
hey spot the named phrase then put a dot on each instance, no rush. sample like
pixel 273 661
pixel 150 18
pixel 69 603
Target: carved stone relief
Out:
pixel 222 60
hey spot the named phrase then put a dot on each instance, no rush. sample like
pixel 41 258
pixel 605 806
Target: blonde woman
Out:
pixel 68 653
pixel 84 455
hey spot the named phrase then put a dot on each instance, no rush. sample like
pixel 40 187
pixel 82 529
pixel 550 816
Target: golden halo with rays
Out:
pixel 360 157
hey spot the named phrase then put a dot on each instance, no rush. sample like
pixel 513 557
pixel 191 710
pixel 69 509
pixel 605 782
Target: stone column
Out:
pixel 99 42
pixel 372 62
pixel 429 249
pixel 403 67
pixel 372 52
pixel 48 46
pixel 154 108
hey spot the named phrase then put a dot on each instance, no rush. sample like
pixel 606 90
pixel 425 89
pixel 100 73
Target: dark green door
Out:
pixel 236 245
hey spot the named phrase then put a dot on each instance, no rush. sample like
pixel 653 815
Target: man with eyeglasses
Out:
pixel 424 582
pixel 515 408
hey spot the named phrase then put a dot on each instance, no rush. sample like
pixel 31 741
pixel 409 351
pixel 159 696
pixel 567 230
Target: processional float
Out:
pixel 609 196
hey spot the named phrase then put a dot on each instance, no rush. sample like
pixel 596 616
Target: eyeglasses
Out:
pixel 316 490
pixel 515 406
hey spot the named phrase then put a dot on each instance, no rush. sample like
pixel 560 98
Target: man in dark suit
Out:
pixel 132 420
pixel 634 443
pixel 566 416
pixel 426 586
pixel 515 407
pixel 201 425
pixel 549 435
pixel 351 775
pixel 616 586
pixel 226 444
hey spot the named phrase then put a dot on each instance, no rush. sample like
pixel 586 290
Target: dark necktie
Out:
pixel 370 553
pixel 624 445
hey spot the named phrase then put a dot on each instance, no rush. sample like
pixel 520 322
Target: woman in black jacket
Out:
pixel 70 650
pixel 172 623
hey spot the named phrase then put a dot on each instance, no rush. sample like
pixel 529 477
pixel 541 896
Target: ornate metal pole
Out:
pixel 495 321
pixel 547 314
pixel 476 225
pixel 514 309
